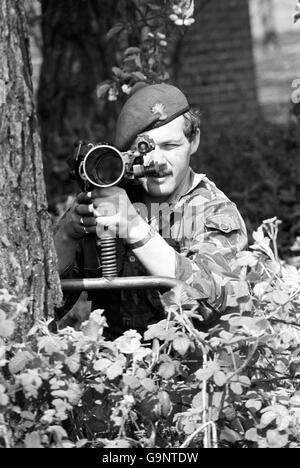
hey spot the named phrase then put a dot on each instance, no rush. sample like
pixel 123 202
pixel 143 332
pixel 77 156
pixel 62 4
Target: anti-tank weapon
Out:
pixel 103 165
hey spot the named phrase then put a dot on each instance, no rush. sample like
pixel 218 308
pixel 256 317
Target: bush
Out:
pixel 235 385
pixel 257 164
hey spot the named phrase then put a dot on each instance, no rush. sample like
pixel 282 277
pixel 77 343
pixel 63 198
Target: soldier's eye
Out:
pixel 170 145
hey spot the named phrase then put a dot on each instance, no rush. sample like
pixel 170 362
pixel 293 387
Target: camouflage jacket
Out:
pixel 205 229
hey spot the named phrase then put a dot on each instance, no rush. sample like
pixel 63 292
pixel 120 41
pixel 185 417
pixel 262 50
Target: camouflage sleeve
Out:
pixel 206 260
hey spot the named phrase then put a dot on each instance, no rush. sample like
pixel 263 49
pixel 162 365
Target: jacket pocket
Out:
pixel 224 223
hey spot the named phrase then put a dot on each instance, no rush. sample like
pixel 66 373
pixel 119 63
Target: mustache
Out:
pixel 157 170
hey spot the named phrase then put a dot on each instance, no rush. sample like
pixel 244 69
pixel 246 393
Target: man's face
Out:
pixel 173 149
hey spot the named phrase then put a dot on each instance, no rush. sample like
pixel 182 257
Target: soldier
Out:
pixel 198 248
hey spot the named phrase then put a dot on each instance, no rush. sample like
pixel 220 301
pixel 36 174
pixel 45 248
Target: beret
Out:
pixel 149 106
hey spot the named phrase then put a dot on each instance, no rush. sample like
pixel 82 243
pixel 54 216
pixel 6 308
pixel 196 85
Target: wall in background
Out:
pixel 216 65
pixel 276 45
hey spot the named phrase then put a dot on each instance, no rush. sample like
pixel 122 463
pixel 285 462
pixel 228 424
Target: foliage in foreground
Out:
pixel 235 385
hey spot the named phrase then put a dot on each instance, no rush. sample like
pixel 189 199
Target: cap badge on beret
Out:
pixel 148 107
pixel 159 109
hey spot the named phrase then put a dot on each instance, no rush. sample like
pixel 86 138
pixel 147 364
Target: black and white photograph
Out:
pixel 149 226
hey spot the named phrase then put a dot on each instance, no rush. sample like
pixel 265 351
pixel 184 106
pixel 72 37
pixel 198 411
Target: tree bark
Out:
pixel 27 255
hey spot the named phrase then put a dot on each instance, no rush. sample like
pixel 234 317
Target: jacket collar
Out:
pixel 190 182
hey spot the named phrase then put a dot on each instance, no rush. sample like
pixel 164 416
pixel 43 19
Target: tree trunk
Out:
pixel 76 58
pixel 27 255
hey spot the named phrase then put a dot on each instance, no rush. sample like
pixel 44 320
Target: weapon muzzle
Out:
pixel 103 166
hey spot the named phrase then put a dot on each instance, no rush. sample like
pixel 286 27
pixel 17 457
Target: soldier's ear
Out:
pixel 196 141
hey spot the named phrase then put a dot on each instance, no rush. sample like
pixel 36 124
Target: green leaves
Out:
pixel 204 374
pixel 181 295
pixel 148 28
pixel 162 330
pixel 297 13
pixel 102 364
pixel 102 90
pixel 244 380
pixel 73 362
pixel 149 385
pixel 3 396
pixel 252 326
pixel 115 30
pixel 280 297
pixel 208 371
pixel 129 342
pixel 219 378
pixel 114 371
pixel 236 388
pixel 33 440
pixel 165 403
pixel 117 444
pixel 240 376
pixel 109 368
pixel 7 326
pixel 51 344
pixel 254 405
pixel 181 344
pixel 166 370
pixel 93 328
pixel 19 361
pixel 275 439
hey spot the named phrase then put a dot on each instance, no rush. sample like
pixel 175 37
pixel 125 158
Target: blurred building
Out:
pixel 216 64
pixel 239 57
pixel 276 45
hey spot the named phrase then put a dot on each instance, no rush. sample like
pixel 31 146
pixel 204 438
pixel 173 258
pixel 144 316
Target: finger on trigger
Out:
pixel 89 221
pixel 84 210
pixel 83 198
